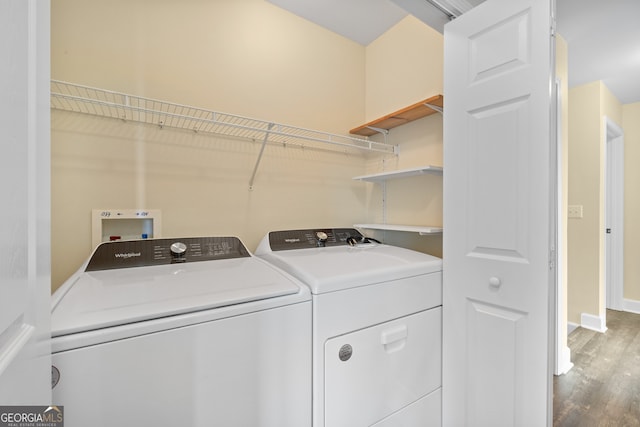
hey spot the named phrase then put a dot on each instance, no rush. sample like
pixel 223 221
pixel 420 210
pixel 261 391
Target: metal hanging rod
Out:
pixel 445 7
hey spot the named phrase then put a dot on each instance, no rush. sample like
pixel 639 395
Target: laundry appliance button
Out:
pixel 178 251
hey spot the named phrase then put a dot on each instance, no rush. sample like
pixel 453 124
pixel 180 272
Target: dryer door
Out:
pixel 374 372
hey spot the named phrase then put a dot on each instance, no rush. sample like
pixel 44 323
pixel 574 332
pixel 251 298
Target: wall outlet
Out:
pixel 575 211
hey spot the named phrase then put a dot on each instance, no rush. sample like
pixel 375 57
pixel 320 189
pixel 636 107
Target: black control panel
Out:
pixel 140 253
pixel 313 238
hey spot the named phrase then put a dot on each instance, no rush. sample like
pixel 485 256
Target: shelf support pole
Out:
pixel 384 202
pixel 264 143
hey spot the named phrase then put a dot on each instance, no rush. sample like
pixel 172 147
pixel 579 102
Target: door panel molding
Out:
pixel 493 351
pixel 497 216
pixel 487 62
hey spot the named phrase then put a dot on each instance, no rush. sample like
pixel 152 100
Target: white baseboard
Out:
pixel 571 327
pixel 631 306
pixel 564 362
pixel 592 322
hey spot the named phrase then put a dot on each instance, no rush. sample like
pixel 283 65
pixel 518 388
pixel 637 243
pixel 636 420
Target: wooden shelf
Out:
pixel 422 230
pixel 403 173
pixel 400 117
pixel 413 112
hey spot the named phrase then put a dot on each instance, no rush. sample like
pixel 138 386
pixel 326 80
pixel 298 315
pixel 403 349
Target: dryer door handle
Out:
pixel 394 339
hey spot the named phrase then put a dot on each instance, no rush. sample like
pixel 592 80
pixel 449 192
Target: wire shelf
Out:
pixel 105 103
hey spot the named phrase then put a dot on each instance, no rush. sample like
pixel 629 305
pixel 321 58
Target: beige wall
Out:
pixel 397 77
pixel 241 57
pixel 244 57
pixel 589 104
pixel 404 66
pixel 410 201
pixel 631 125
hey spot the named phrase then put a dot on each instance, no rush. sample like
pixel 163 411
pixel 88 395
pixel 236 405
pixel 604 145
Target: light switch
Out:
pixel 575 211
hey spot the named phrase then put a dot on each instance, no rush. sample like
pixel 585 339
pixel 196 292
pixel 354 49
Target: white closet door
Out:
pixel 498 207
pixel 25 361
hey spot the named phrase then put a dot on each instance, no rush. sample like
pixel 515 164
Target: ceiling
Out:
pixel 603 36
pixel 604 44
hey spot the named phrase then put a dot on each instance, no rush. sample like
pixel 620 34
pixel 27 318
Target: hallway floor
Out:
pixel 603 387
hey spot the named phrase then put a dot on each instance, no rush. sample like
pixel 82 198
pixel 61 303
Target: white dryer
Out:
pixel 377 326
pixel 181 332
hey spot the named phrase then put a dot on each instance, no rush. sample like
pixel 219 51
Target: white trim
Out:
pixel 614 146
pixel 564 364
pixel 562 361
pixel 632 306
pixel 571 327
pixel 595 323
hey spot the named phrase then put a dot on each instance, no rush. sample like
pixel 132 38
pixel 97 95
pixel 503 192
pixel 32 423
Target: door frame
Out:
pixel 613 140
pixel 562 363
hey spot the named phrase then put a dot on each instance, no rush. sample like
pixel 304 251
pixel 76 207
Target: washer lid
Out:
pixel 328 269
pixel 100 299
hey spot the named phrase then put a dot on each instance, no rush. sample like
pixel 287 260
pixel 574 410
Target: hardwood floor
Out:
pixel 603 387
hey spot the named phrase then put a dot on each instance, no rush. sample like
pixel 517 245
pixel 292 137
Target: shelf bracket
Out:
pixel 384 132
pixel 264 143
pixel 434 107
pixel 379 130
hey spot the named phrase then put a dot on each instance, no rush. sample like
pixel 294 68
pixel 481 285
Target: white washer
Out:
pixel 377 326
pixel 181 332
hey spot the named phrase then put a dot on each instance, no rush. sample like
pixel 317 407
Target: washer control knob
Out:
pixel 178 249
pixel 321 237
